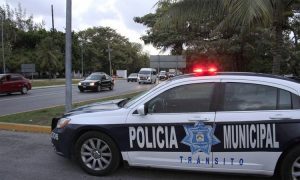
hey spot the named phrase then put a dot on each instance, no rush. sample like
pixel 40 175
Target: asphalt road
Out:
pixel 47 97
pixel 30 156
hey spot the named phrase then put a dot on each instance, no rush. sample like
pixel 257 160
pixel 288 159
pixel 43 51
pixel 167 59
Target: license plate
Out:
pixel 84 86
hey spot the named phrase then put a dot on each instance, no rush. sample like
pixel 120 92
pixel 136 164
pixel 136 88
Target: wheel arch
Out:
pixel 86 129
pixel 292 144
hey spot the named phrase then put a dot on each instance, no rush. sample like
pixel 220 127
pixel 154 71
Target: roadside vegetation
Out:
pixel 26 42
pixel 249 35
pixel 44 116
pixel 51 82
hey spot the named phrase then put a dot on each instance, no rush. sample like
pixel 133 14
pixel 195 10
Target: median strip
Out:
pixel 40 120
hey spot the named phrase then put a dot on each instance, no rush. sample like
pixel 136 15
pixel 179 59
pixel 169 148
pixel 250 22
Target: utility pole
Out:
pixel 52 18
pixel 82 60
pixel 2 43
pixel 109 59
pixel 68 56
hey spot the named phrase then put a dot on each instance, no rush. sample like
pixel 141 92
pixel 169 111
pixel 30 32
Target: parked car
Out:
pixel 147 75
pixel 163 75
pixel 133 77
pixel 244 123
pixel 10 83
pixel 96 82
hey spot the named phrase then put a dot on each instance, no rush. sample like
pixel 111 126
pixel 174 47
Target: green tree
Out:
pixel 49 57
pixel 239 15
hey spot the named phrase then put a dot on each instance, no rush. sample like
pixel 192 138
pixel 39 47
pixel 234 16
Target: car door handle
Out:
pixel 198 118
pixel 279 116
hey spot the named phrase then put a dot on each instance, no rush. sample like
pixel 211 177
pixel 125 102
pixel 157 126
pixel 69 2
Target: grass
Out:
pixel 51 82
pixel 44 116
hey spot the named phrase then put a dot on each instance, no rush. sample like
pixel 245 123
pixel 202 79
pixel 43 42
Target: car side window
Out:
pixel 285 100
pixel 247 97
pixel 296 101
pixel 185 98
pixel 16 78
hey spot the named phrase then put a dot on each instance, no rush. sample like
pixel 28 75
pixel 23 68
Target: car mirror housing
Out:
pixel 141 110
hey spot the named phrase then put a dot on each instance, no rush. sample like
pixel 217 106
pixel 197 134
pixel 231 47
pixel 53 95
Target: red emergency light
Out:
pixel 204 71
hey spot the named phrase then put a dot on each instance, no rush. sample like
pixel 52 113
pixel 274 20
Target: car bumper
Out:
pixel 145 81
pixel 132 79
pixel 82 88
pixel 62 141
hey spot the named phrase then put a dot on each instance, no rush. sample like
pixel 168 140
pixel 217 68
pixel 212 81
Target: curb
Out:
pixel 25 128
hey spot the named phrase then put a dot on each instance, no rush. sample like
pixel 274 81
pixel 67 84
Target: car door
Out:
pixel 250 122
pixel 7 85
pixel 104 81
pixel 178 129
pixel 3 86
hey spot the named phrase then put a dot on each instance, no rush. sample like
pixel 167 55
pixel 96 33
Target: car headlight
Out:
pixel 148 78
pixel 92 84
pixel 62 122
pixel 79 83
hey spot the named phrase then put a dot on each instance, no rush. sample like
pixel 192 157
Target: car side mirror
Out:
pixel 142 110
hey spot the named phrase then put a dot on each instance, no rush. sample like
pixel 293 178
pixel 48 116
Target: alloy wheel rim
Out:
pixel 296 169
pixel 96 154
pixel 24 89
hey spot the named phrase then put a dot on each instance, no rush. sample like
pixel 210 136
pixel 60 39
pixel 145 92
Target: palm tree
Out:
pixel 237 14
pixel 49 56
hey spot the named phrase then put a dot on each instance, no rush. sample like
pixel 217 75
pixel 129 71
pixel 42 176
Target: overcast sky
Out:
pixel 117 14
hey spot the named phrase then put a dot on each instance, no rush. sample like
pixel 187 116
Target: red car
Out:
pixel 10 83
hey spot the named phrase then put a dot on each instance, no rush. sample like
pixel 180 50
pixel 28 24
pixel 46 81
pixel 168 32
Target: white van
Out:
pixel 147 75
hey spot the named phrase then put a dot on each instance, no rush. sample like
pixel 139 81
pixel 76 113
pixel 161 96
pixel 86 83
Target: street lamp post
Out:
pixel 109 59
pixel 2 43
pixel 81 47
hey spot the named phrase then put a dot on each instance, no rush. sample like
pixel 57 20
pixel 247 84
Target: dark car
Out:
pixel 96 82
pixel 10 83
pixel 132 77
pixel 163 75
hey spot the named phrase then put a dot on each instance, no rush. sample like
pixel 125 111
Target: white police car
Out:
pixel 223 122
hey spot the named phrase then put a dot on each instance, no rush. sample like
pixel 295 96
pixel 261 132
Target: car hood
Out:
pixel 96 107
pixel 89 81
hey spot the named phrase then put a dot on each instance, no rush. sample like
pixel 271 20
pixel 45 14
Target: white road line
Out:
pixel 27 96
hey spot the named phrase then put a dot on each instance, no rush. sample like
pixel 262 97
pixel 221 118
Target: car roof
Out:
pixel 236 74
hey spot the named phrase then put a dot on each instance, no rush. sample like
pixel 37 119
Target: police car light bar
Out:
pixel 204 71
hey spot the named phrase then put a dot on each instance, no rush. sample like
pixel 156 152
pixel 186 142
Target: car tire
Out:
pixel 24 90
pixel 139 82
pixel 81 90
pixel 99 88
pixel 290 164
pixel 89 152
pixel 111 87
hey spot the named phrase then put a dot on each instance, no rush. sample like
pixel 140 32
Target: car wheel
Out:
pixel 98 88
pixel 139 82
pixel 81 90
pixel 97 154
pixel 111 87
pixel 290 167
pixel 24 90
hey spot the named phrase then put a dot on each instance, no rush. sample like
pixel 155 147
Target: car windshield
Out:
pixel 137 97
pixel 133 75
pixel 94 77
pixel 144 72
